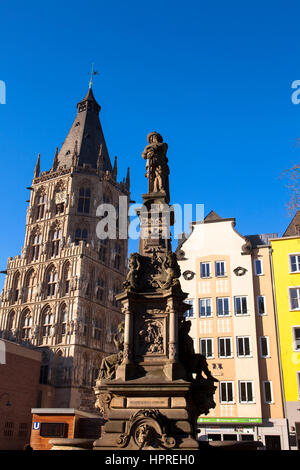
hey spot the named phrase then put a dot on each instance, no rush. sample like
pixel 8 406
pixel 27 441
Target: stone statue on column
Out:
pixel 157 169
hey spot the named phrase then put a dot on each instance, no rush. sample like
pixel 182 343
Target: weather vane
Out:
pixel 93 72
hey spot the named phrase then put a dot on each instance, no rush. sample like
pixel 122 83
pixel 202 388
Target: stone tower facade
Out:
pixel 59 295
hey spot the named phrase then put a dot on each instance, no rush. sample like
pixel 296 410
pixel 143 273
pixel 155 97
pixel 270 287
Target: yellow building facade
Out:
pixel 286 273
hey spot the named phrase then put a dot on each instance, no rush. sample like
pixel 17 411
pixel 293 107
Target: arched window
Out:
pixel 30 283
pixel 63 319
pixel 36 241
pixel 26 325
pixel 85 371
pixel 103 250
pixel 16 287
pixel 41 204
pixel 55 237
pixel 44 370
pixel 117 256
pixel 10 323
pixel 47 322
pixel 116 290
pixel 81 235
pixel 96 368
pixel 100 286
pixel 51 280
pixel 97 328
pixel 85 324
pixel 59 368
pixel 84 200
pixel 66 278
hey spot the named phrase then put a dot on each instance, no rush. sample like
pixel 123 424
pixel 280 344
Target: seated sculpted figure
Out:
pixel 110 363
pixel 193 363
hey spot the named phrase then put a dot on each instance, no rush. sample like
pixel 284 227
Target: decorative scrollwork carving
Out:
pixel 123 440
pixel 103 402
pixel 147 427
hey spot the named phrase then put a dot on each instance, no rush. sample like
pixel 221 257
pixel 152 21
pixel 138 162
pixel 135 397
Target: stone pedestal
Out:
pixel 163 409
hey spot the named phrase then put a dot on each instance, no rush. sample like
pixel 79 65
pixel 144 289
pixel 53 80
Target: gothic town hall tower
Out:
pixel 59 295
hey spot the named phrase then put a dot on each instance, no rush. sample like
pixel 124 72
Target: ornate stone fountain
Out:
pixel 152 389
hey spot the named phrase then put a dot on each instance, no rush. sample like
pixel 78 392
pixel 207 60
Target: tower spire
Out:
pixel 100 159
pixel 127 183
pixel 87 131
pixel 75 155
pixel 55 160
pixel 115 169
pixel 37 167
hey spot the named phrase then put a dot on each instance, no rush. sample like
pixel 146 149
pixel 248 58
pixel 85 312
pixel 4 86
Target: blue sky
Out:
pixel 214 78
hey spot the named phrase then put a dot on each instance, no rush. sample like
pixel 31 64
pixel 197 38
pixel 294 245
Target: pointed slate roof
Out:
pixel 212 216
pixel 86 136
pixel 294 226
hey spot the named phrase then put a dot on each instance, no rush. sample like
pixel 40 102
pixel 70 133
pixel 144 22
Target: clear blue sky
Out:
pixel 214 78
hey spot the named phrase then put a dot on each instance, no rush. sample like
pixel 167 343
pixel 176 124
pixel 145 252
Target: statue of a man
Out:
pixel 132 279
pixel 110 363
pixel 157 169
pixel 193 363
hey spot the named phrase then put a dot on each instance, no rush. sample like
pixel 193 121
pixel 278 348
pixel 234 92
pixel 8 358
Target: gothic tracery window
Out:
pixel 44 370
pixel 55 236
pixel 30 283
pixel 47 322
pixel 10 323
pixel 63 319
pixel 117 256
pixel 116 290
pixel 81 235
pixel 97 328
pixel 16 287
pixel 41 205
pixel 51 281
pixel 26 325
pixel 103 250
pixel 84 200
pixel 100 286
pixel 85 370
pixel 35 246
pixel 66 278
pixel 85 324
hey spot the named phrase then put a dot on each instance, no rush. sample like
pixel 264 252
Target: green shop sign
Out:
pixel 230 420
